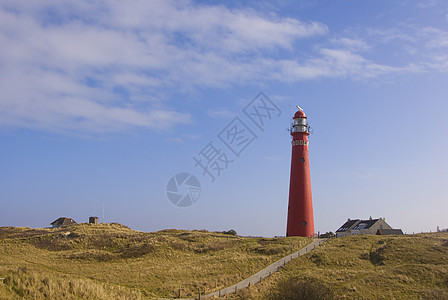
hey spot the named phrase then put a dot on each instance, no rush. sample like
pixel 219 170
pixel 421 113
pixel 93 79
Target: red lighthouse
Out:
pixel 300 207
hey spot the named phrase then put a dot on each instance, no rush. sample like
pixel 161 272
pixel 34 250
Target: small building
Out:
pixel 93 220
pixel 389 232
pixel 357 226
pixel 62 222
pixel 370 226
pixel 347 227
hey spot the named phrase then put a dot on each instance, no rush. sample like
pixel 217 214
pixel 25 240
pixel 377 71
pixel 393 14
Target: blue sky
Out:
pixel 102 102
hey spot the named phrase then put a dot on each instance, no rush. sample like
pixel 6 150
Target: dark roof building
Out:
pixel 389 231
pixel 63 221
pixel 347 227
pixel 369 226
pixel 365 224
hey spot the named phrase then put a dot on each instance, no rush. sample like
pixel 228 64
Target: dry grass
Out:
pixel 23 284
pixel 364 267
pixel 111 261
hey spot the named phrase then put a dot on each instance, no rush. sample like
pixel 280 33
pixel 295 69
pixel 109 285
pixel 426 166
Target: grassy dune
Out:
pixel 111 261
pixel 364 267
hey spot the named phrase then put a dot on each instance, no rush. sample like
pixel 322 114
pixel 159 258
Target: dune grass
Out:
pixel 364 267
pixel 111 261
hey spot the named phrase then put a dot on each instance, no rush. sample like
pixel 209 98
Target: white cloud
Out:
pixel 105 66
pixel 101 66
pixel 221 113
pixel 334 63
pixel 426 46
pixel 356 45
pixel 428 3
pixel 434 37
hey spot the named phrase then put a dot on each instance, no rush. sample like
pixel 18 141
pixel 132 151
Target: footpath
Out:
pixel 259 276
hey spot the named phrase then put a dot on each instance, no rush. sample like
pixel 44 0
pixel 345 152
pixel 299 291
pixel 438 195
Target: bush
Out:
pixel 327 235
pixel 230 232
pixel 294 288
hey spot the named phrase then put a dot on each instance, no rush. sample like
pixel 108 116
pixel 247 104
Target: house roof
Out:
pixel 388 231
pixel 63 221
pixel 365 224
pixel 348 225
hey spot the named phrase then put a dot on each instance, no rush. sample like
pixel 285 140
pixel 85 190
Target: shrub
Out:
pixel 328 234
pixel 294 288
pixel 230 232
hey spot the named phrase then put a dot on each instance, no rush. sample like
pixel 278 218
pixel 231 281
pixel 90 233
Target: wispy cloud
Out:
pixel 355 45
pixel 221 113
pixel 428 3
pixel 181 138
pixel 102 66
pixel 108 66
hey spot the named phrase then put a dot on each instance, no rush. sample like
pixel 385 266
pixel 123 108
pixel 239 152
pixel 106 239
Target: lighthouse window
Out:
pixel 304 223
pixel 302 159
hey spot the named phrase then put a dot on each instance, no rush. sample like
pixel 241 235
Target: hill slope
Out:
pixel 107 261
pixel 364 267
pixel 111 261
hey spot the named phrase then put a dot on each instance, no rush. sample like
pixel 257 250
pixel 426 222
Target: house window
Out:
pixel 381 226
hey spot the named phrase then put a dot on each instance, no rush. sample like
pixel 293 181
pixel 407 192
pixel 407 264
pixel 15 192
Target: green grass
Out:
pixel 111 261
pixel 364 267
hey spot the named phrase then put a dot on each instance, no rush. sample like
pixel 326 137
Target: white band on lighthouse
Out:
pixel 300 142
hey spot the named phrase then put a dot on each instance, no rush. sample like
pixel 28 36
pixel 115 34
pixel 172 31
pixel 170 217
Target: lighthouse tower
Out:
pixel 300 207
